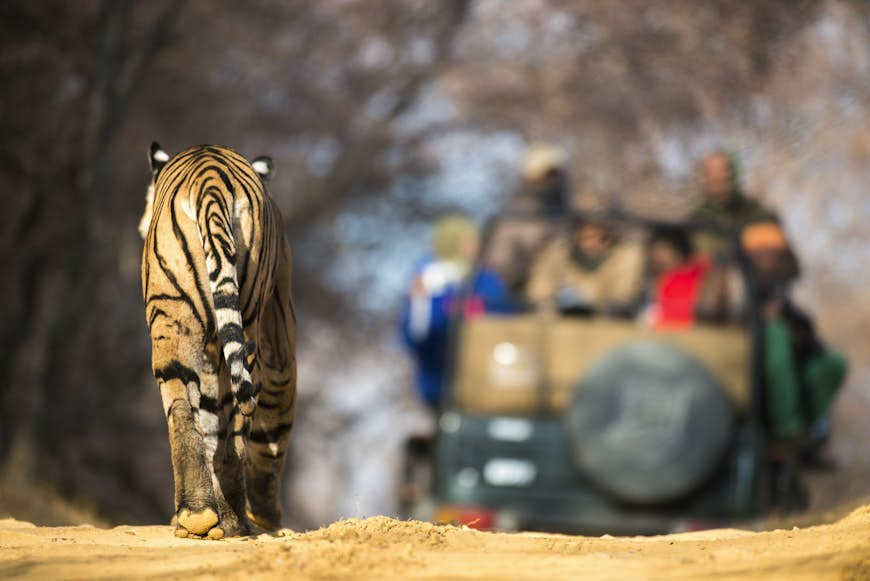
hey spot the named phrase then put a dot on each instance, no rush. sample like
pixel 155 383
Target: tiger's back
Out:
pixel 216 285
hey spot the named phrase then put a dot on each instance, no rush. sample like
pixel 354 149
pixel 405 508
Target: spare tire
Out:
pixel 648 423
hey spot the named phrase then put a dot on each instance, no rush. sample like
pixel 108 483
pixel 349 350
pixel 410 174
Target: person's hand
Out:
pixel 784 450
pixel 568 297
pixel 417 288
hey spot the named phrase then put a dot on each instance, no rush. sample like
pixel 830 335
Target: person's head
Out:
pixel 719 177
pixel 543 163
pixel 669 248
pixel 592 239
pixel 766 246
pixel 455 238
pixel 544 174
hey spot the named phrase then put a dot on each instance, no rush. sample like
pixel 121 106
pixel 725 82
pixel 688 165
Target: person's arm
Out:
pixel 494 294
pixel 424 318
pixel 419 313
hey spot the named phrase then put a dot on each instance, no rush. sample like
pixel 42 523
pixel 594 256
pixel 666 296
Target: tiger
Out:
pixel 216 278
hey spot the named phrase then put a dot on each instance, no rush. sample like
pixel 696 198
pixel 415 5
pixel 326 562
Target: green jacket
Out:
pixel 797 395
pixel 737 213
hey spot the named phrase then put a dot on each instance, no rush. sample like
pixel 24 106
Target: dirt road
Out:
pixel 385 549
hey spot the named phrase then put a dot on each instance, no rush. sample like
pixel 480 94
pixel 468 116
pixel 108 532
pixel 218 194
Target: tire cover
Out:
pixel 648 423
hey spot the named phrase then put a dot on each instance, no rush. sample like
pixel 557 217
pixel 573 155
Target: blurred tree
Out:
pixel 320 84
pixel 67 92
pixel 611 81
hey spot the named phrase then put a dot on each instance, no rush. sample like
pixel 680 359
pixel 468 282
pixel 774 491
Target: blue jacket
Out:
pixel 425 325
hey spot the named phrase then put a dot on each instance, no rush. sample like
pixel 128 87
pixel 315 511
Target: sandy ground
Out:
pixel 383 548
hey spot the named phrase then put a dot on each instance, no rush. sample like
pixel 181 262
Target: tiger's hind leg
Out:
pixel 195 506
pixel 225 427
pixel 229 463
pixel 189 389
pixel 276 408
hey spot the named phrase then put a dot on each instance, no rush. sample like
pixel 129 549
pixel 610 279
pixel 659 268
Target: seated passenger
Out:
pixel 434 295
pixel 676 278
pixel 587 271
pixel 802 376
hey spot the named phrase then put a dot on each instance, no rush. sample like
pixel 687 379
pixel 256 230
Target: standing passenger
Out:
pixel 435 295
pixel 725 205
pixel 543 198
pixel 545 190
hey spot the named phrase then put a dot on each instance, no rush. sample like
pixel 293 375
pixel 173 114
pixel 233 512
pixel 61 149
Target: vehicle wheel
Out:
pixel 648 423
pixel 416 477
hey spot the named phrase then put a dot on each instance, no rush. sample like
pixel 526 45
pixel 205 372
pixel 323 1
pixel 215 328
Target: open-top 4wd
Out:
pixel 585 414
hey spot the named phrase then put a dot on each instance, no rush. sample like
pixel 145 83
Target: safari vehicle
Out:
pixel 594 423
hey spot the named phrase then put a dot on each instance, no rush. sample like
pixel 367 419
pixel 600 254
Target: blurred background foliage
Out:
pixel 381 115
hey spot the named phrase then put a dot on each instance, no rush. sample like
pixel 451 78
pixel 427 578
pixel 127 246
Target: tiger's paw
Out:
pixel 265 523
pixel 201 524
pixel 214 534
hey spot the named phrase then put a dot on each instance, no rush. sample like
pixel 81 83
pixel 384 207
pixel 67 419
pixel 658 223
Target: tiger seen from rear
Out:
pixel 216 271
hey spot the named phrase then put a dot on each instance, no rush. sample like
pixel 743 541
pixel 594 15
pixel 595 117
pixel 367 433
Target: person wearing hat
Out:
pixel 543 196
pixel 544 182
pixel 802 375
pixel 434 296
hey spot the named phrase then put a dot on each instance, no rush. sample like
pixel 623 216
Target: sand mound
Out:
pixel 383 548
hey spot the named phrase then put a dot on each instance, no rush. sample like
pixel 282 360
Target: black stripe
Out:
pixel 245 431
pixel 183 296
pixel 268 406
pixel 225 280
pixel 246 391
pixel 236 357
pixel 182 241
pixel 270 436
pixel 227 301
pixel 175 370
pixel 267 454
pixel 231 332
pixel 250 318
pixel 157 312
pixel 208 404
pixel 212 405
pixel 279 383
pixel 276 406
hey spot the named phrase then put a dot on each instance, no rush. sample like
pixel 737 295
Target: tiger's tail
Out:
pixel 219 244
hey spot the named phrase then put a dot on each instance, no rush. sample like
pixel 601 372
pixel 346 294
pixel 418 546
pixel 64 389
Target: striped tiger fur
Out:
pixel 216 284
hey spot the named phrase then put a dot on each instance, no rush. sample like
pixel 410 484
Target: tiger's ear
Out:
pixel 157 158
pixel 264 167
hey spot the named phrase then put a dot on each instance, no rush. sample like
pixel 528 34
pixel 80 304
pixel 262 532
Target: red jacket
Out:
pixel 676 293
